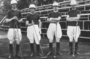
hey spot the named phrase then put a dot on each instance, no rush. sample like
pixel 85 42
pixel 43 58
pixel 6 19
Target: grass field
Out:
pixel 84 48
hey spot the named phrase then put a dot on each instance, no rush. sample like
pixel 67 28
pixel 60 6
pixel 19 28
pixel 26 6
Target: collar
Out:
pixel 14 9
pixel 33 13
pixel 55 11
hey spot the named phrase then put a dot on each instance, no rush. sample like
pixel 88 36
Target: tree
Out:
pixel 23 4
pixel 6 5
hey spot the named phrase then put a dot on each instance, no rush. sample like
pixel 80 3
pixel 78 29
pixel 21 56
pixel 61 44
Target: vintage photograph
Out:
pixel 44 29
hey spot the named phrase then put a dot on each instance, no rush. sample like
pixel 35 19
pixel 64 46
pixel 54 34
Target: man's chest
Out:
pixel 14 13
pixel 55 15
pixel 33 17
pixel 73 13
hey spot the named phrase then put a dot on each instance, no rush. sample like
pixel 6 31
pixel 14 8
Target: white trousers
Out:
pixel 54 30
pixel 73 32
pixel 33 34
pixel 14 35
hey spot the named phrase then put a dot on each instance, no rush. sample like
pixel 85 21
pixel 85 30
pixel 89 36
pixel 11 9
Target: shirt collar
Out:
pixel 55 11
pixel 32 13
pixel 14 9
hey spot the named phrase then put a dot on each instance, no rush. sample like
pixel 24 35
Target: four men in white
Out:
pixel 34 28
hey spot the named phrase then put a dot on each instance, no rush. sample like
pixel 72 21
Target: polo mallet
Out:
pixel 74 40
pixel 73 47
pixel 40 44
pixel 19 38
pixel 55 43
pixel 3 20
pixel 76 34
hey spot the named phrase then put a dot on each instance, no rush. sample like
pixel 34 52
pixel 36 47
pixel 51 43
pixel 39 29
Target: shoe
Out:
pixel 32 54
pixel 17 55
pixel 10 56
pixel 39 54
pixel 58 53
pixel 77 53
pixel 70 48
pixel 49 54
pixel 70 53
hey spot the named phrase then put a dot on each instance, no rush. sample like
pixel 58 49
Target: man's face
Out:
pixel 32 10
pixel 14 6
pixel 55 8
pixel 73 7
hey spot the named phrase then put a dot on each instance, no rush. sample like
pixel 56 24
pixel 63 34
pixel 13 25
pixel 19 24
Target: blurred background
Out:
pixel 43 8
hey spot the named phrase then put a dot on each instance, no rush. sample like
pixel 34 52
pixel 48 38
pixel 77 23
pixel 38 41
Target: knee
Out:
pixel 58 40
pixel 18 41
pixel 76 39
pixel 38 42
pixel 31 40
pixel 50 40
pixel 71 39
pixel 11 41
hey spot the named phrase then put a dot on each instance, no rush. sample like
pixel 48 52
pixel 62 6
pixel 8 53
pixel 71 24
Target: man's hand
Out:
pixel 20 20
pixel 15 18
pixel 40 30
pixel 32 22
pixel 73 18
pixel 28 24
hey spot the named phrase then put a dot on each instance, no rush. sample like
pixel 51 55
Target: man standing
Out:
pixel 14 32
pixel 73 29
pixel 54 29
pixel 33 31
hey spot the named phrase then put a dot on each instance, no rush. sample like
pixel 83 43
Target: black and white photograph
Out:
pixel 44 29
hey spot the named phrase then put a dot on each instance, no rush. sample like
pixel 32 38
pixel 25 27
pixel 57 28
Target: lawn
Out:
pixel 84 48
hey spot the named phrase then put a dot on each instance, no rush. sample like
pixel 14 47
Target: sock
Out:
pixel 50 46
pixel 32 47
pixel 17 48
pixel 76 46
pixel 38 48
pixel 70 46
pixel 57 46
pixel 11 48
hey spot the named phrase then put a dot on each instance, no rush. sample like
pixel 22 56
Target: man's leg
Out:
pixel 11 50
pixel 76 36
pixel 18 40
pixel 11 40
pixel 58 35
pixel 17 49
pixel 31 39
pixel 32 46
pixel 50 37
pixel 71 46
pixel 38 46
pixel 50 49
pixel 70 35
pixel 76 45
pixel 76 48
pixel 37 38
pixel 58 48
pixel 39 52
pixel 32 49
